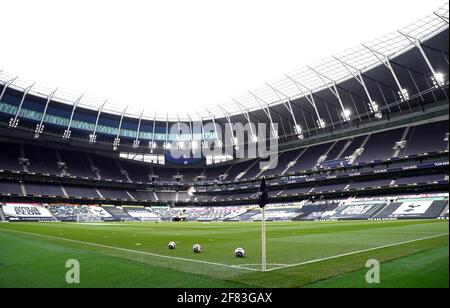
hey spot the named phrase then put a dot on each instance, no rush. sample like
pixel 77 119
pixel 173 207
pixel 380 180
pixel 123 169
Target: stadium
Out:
pixel 353 148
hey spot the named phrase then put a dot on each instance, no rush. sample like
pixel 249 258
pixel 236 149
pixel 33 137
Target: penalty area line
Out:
pixel 356 252
pixel 132 251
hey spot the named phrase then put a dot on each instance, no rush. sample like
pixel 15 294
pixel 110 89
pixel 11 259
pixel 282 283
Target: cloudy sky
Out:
pixel 178 55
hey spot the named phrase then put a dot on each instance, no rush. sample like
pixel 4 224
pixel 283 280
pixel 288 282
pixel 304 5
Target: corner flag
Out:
pixel 263 198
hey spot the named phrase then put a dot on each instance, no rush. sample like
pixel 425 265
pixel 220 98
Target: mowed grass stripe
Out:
pixel 289 243
pixel 129 250
pixel 422 269
pixel 358 252
pixel 31 262
pixel 230 265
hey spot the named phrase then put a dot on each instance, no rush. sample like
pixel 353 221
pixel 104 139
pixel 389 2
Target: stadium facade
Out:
pixel 360 135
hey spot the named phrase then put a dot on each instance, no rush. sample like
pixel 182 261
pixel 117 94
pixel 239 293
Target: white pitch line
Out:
pixel 226 265
pixel 132 251
pixel 356 252
pixel 259 264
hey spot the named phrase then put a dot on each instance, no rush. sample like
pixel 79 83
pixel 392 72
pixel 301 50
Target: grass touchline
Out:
pixel 129 250
pixel 359 251
pixel 242 266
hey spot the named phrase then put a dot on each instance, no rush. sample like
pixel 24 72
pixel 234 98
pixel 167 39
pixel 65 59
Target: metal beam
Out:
pixel 14 122
pixel 93 136
pixel 247 116
pixel 438 79
pixel 218 142
pixel 357 74
pixel 166 143
pixel 265 107
pixel 415 85
pixel 116 142
pixel 136 141
pixel 385 60
pixel 310 97
pixel 68 131
pixel 152 145
pixel 444 18
pixel 228 117
pixel 287 104
pixel 445 57
pixel 40 127
pixel 6 85
pixel 178 131
pixel 383 96
pixel 333 89
pixel 202 132
pixel 191 128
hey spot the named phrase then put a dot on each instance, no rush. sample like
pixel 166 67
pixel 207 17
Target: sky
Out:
pixel 180 56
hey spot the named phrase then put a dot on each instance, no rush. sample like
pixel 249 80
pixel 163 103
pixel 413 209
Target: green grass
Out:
pixel 136 254
pixel 30 263
pixel 421 269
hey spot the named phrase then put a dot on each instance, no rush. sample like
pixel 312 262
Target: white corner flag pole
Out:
pixel 263 257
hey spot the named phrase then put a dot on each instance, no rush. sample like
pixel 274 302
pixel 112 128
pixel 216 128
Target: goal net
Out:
pixel 88 218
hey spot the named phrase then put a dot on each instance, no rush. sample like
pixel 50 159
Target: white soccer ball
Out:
pixel 172 245
pixel 239 252
pixel 197 248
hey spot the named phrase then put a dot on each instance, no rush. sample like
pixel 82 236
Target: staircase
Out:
pixel 240 175
pixel 92 167
pixel 64 192
pixel 400 146
pixel 294 162
pixel 155 196
pixel 99 193
pixel 61 164
pixel 270 165
pixel 344 148
pixel 225 174
pixel 23 189
pixel 359 151
pixel 23 160
pixel 130 195
pixel 123 171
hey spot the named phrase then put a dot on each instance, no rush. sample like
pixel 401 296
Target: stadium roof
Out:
pixel 293 85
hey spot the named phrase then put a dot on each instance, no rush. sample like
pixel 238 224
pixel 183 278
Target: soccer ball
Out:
pixel 172 245
pixel 197 248
pixel 239 252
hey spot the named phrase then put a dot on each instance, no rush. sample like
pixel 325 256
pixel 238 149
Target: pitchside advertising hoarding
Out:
pixel 412 208
pixel 26 211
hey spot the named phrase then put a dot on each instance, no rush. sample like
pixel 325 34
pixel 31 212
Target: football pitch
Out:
pixel 413 253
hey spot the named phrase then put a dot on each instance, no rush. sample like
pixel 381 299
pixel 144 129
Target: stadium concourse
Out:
pixel 361 135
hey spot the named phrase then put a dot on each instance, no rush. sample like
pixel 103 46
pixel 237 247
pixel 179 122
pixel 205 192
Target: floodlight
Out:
pixel 346 113
pixel 275 134
pixel 92 138
pixel 438 79
pixel 404 95
pixel 321 123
